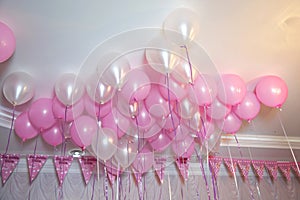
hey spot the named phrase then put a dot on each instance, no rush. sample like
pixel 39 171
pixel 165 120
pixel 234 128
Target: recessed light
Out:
pixel 76 153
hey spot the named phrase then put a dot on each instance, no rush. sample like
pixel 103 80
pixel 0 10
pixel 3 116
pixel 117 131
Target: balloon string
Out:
pixel 10 130
pixel 169 184
pixel 239 147
pixel 189 62
pixel 234 174
pixel 287 139
pixel 169 104
pixel 140 185
pixel 204 175
pixel 214 183
pixel 256 182
pixel 106 182
pixel 93 188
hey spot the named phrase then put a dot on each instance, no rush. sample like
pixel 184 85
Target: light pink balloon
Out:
pixel 93 108
pixel 171 90
pixel 82 131
pixel 204 90
pixel 207 129
pixel 217 110
pixel 143 119
pixel 160 141
pixel 272 91
pixel 185 108
pixel 154 129
pixel 41 115
pixel 116 121
pixel 137 85
pixel 53 135
pixel 144 160
pixel 23 127
pixel 194 123
pixel 126 151
pixel 183 148
pixel 172 121
pixel 69 113
pixel 249 108
pixel 231 124
pixel 231 89
pixel 7 42
pixel 157 106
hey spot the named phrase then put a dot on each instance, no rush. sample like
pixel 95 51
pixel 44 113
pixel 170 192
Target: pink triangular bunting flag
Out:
pixel 272 169
pixel 244 166
pixel 159 166
pixel 215 164
pixel 258 166
pixel 137 176
pixel 285 168
pixel 295 167
pixel 87 164
pixel 111 178
pixel 230 164
pixel 62 165
pixel 183 166
pixel 9 163
pixel 35 163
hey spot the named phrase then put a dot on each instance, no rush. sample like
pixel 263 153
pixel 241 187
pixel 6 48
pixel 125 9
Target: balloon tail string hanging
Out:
pixel 256 182
pixel 10 130
pixel 93 187
pixel 191 81
pixel 234 174
pixel 288 141
pixel 169 103
pixel 204 175
pixel 105 181
pixel 239 146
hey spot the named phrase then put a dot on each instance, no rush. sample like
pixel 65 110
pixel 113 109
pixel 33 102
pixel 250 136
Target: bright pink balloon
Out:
pixel 183 148
pixel 7 42
pixel 82 130
pixel 204 90
pixel 73 112
pixel 272 91
pixel 217 110
pixel 23 127
pixel 231 89
pixel 137 85
pixel 160 141
pixel 53 135
pixel 248 108
pixel 93 108
pixel 41 115
pixel 231 124
pixel 144 160
pixel 157 106
pixel 171 90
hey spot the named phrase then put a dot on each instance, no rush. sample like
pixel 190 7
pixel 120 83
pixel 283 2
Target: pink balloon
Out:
pixel 231 89
pixel 82 131
pixel 144 160
pixel 217 110
pixel 207 129
pixel 172 121
pixel 154 129
pixel 72 112
pixel 204 90
pixel 117 122
pixel 93 108
pixel 7 42
pixel 23 127
pixel 137 85
pixel 160 141
pixel 176 91
pixel 126 151
pixel 53 135
pixel 41 115
pixel 143 119
pixel 183 148
pixel 157 106
pixel 231 124
pixel 272 91
pixel 248 108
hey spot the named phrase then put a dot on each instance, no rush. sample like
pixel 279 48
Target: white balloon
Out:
pixel 18 88
pixel 69 89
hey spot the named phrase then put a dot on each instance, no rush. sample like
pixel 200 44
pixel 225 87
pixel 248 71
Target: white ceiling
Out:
pixel 248 38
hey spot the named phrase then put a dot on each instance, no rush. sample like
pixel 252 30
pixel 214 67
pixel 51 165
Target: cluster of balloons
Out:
pixel 128 115
pixel 7 42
